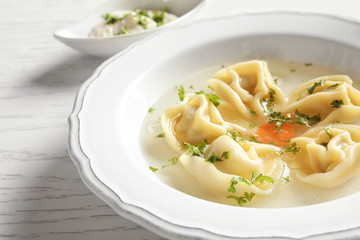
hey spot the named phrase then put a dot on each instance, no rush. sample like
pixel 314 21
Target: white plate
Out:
pixel 77 36
pixel 110 108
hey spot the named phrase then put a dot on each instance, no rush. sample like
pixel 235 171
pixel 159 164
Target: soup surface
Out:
pixel 257 134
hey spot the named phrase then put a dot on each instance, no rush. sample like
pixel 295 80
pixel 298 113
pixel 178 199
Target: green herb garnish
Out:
pixel 279 152
pixel 259 178
pixel 253 139
pixel 226 155
pixel 215 99
pixel 244 199
pixel 198 150
pixel 124 30
pixel 160 135
pixel 276 117
pixel 234 135
pixel 252 125
pixel 308 64
pixel 328 132
pixel 153 169
pixel 306 119
pixel 111 19
pixel 292 148
pixel 142 12
pixel 272 95
pixel 158 17
pixel 335 85
pixel 181 93
pixel 151 109
pixel 285 179
pixel 252 113
pixel 337 103
pixel 316 84
pixel 324 144
pixel 235 181
pixel 213 158
pixel 172 161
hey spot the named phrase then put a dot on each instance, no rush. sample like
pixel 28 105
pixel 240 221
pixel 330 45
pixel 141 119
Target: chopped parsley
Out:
pixel 328 132
pixel 181 93
pixel 324 144
pixel 292 70
pixel 337 103
pixel 308 64
pixel 160 135
pixel 272 95
pixel 292 148
pixel 276 117
pixel 226 155
pixel 153 169
pixel 276 81
pixel 172 161
pixel 244 199
pixel 215 99
pixel 143 21
pixel 306 119
pixel 142 12
pixel 335 85
pixel 198 150
pixel 252 125
pixel 316 84
pixel 151 109
pixel 200 92
pixel 213 158
pixel 253 139
pixel 234 135
pixel 279 152
pixel 124 30
pixel 111 19
pixel 252 113
pixel 259 178
pixel 285 179
pixel 158 17
pixel 269 102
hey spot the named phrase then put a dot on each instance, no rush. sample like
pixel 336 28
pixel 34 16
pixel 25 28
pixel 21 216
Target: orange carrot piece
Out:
pixel 267 133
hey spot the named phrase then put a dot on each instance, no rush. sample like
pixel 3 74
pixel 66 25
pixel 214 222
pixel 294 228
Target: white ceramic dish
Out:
pixel 77 36
pixel 110 107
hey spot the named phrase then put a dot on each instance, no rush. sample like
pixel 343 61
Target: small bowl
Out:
pixel 77 35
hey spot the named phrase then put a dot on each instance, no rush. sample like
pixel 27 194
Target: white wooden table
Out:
pixel 41 193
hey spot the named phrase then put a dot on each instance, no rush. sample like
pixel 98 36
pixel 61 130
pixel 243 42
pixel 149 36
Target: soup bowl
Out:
pixel 106 125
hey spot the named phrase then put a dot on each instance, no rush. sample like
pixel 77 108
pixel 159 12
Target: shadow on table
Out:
pixel 53 203
pixel 69 71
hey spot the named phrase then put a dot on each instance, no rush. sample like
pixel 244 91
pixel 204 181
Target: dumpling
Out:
pixel 333 97
pixel 327 156
pixel 246 90
pixel 192 121
pixel 246 159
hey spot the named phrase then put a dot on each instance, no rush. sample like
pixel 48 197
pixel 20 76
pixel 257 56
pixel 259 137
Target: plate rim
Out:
pixel 130 211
